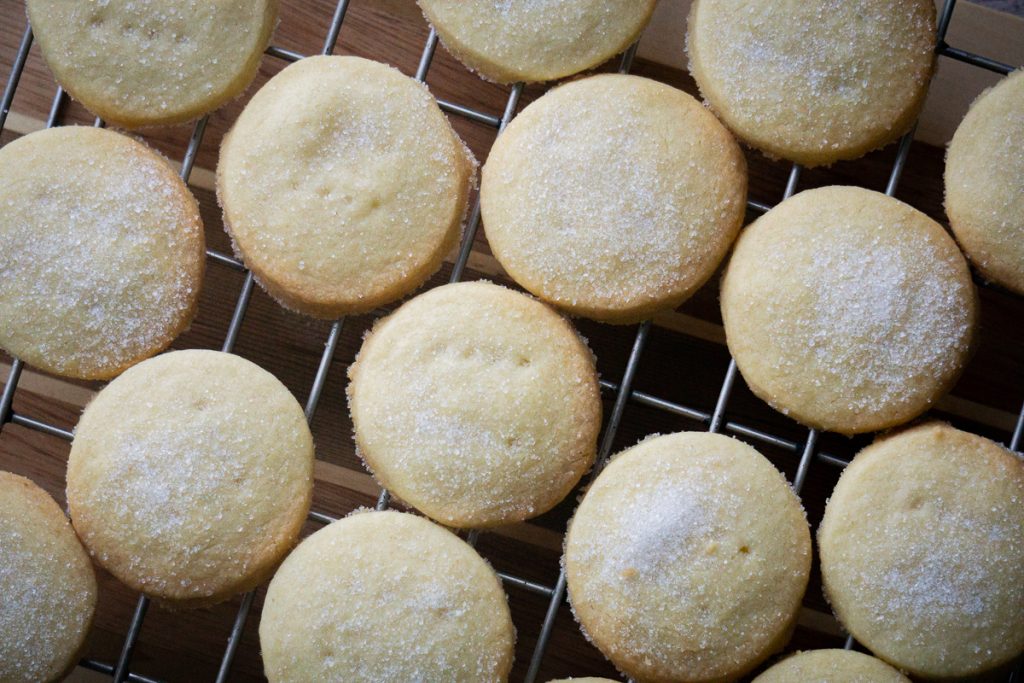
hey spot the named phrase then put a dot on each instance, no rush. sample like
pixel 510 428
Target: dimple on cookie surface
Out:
pixel 386 597
pixel 475 404
pixel 922 556
pixel 777 75
pixel 687 559
pixel 848 310
pixel 613 197
pixel 101 251
pixel 190 476
pixel 343 185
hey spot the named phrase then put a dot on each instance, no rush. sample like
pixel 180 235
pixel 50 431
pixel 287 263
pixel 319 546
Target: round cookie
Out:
pixel 190 476
pixel 848 310
pixel 539 40
pixel 343 185
pixel 589 679
pixel 831 666
pixel 386 597
pixel 101 250
pixel 985 183
pixel 613 197
pixel 777 76
pixel 47 585
pixel 152 62
pixel 687 559
pixel 922 556
pixel 476 404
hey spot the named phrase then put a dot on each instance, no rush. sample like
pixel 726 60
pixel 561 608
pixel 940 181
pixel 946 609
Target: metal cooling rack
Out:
pixel 623 390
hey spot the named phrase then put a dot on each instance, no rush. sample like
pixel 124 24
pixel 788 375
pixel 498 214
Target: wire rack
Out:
pixel 716 421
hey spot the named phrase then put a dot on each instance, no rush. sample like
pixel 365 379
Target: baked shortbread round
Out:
pixel 152 62
pixel 588 679
pixel 985 183
pixel 922 556
pixel 539 40
pixel 848 310
pixel 778 77
pixel 831 666
pixel 343 185
pixel 613 197
pixel 476 404
pixel 687 559
pixel 47 585
pixel 190 476
pixel 386 597
pixel 101 250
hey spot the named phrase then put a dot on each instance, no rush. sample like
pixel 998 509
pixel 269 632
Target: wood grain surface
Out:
pixel 684 361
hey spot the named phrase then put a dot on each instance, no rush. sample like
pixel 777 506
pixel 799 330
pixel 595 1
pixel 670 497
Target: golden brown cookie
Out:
pixel 831 666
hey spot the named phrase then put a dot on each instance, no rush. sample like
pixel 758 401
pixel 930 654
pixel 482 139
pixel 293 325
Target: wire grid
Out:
pixel 622 390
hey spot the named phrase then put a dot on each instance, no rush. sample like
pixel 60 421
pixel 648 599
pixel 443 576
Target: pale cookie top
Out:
pixel 343 185
pixel 190 476
pixel 101 251
pixel 848 310
pixel 922 551
pixel 813 81
pixel 613 197
pixel 985 183
pixel 536 40
pixel 152 62
pixel 386 597
pixel 688 558
pixel 476 404
pixel 47 586
pixel 831 666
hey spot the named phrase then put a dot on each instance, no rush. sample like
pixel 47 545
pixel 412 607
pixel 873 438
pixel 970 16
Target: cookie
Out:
pixel 476 405
pixel 539 40
pixel 778 77
pixel 613 197
pixel 101 250
pixel 386 597
pixel 152 62
pixel 190 476
pixel 589 679
pixel 47 583
pixel 985 183
pixel 832 666
pixel 343 185
pixel 687 559
pixel 848 310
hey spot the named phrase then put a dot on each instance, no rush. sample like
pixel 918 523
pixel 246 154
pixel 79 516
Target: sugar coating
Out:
pixel 813 81
pixel 687 559
pixel 848 310
pixel 536 40
pixel 101 251
pixel 386 597
pixel 476 404
pixel 831 666
pixel 613 197
pixel 985 183
pixel 922 554
pixel 152 62
pixel 47 586
pixel 190 476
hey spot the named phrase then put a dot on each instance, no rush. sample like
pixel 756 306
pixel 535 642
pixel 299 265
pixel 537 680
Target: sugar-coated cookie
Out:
pixel 814 81
pixel 343 185
pixel 613 197
pixel 190 476
pixel 386 597
pixel 985 183
pixel 922 555
pixel 848 310
pixel 540 40
pixel 687 559
pixel 476 404
pixel 152 62
pixel 831 666
pixel 101 251
pixel 47 586
pixel 589 679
